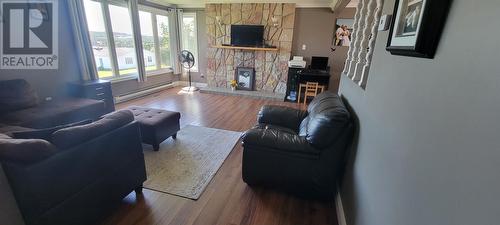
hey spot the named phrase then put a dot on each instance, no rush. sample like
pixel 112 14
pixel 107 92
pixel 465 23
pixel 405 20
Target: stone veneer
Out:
pixel 271 67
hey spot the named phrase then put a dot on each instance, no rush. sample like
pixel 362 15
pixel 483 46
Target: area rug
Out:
pixel 185 166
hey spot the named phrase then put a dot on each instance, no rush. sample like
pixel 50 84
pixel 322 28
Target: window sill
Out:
pixel 135 76
pixel 121 79
pixel 159 72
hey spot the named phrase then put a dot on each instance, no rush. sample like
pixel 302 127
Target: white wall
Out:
pixel 429 138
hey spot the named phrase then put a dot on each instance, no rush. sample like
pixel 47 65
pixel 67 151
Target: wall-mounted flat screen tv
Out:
pixel 247 35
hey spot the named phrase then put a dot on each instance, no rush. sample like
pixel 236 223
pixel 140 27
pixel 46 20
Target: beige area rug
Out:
pixel 185 166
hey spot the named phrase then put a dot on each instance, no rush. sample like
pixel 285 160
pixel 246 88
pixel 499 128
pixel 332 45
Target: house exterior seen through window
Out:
pixel 129 60
pixel 112 38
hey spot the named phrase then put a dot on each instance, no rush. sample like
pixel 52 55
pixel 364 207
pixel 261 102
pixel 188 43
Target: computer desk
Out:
pixel 297 76
pixel 320 76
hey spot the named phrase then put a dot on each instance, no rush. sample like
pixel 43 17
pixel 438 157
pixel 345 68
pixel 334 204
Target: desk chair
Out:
pixel 311 90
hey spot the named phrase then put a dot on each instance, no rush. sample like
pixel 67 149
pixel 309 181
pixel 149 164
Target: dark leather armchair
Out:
pixel 301 152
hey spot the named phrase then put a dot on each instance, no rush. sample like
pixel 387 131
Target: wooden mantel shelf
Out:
pixel 246 48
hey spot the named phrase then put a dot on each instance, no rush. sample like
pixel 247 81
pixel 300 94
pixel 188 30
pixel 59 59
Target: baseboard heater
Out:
pixel 142 93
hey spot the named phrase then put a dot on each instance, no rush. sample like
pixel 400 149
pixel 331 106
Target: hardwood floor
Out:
pixel 227 199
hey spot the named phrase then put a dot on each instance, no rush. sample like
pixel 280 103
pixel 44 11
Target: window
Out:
pixel 124 39
pixel 148 39
pixel 164 40
pixel 113 38
pixel 189 36
pixel 98 38
pixel 155 32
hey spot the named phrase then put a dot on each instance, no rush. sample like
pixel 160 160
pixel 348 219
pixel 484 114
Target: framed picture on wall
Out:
pixel 417 26
pixel 343 32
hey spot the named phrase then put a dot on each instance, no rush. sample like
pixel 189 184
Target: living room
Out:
pixel 368 112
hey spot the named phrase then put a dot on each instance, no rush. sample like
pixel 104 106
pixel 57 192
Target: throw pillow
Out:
pixel 72 136
pixel 25 151
pixel 16 95
pixel 4 136
pixel 9 130
pixel 46 133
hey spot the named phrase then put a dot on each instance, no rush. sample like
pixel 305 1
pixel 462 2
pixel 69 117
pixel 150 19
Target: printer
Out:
pixel 297 62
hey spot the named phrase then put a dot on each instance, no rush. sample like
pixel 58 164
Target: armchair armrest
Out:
pixel 281 141
pixel 281 116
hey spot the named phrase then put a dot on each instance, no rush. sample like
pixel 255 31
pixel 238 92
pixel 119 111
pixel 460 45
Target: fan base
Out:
pixel 190 89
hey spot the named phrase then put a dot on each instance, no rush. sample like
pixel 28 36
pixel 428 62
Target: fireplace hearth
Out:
pixel 270 66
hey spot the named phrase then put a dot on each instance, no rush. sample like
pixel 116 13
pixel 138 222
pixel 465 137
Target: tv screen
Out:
pixel 247 35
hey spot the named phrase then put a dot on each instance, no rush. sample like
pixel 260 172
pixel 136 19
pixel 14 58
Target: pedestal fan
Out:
pixel 186 59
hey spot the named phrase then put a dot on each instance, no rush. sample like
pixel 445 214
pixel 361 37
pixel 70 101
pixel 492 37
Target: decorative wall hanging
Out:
pixel 417 26
pixel 245 78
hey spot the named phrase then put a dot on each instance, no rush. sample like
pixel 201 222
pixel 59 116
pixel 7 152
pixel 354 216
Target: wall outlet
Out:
pixel 385 22
pixel 304 47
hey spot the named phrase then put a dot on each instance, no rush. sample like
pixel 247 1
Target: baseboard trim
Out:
pixel 185 83
pixel 141 93
pixel 339 207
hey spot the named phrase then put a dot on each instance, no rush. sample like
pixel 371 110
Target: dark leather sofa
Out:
pixel 79 174
pixel 300 152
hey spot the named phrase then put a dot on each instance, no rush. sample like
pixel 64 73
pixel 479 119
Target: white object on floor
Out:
pixel 190 89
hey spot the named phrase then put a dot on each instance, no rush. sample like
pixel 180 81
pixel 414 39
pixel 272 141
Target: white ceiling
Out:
pixel 201 3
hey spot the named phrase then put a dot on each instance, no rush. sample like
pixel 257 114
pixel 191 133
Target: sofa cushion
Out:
pixel 55 113
pixel 72 136
pixel 25 151
pixel 275 127
pixel 16 95
pixel 327 118
pixel 4 136
pixel 45 134
pixel 282 116
pixel 9 130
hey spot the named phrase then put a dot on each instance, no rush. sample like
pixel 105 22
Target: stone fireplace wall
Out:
pixel 271 67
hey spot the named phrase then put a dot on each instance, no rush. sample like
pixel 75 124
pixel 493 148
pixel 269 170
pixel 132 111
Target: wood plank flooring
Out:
pixel 227 199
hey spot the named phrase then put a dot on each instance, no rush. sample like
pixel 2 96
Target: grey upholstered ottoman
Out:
pixel 156 124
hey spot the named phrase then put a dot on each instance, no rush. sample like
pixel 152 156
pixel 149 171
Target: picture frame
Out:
pixel 245 78
pixel 417 26
pixel 343 31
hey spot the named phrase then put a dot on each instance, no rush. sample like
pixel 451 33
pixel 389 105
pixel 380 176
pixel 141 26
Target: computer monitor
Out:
pixel 319 63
